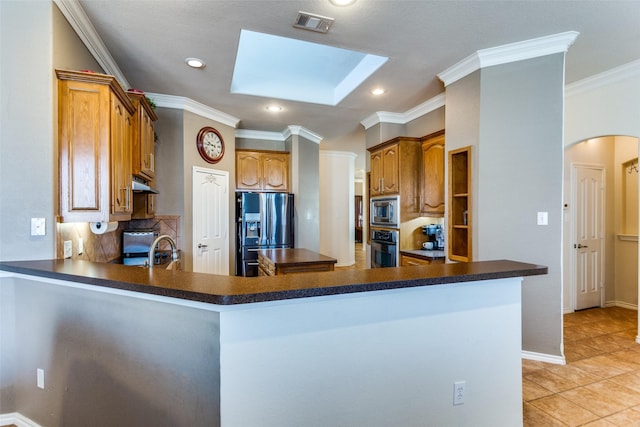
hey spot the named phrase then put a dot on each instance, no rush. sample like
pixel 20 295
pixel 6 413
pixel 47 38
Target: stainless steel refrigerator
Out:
pixel 263 221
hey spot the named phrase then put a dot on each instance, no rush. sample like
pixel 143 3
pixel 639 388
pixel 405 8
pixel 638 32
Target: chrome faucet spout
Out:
pixel 152 251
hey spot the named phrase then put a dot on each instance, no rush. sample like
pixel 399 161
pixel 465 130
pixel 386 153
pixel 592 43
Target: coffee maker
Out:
pixel 435 237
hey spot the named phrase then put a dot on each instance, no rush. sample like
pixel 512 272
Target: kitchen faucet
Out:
pixel 152 250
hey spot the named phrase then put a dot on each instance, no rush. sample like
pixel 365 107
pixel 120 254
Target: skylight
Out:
pixel 283 68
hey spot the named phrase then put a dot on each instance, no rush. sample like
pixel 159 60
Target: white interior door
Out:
pixel 210 221
pixel 589 236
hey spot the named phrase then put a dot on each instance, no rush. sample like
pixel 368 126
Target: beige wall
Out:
pixel 626 222
pixel 192 125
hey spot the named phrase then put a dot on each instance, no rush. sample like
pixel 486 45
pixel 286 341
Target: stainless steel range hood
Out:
pixel 141 187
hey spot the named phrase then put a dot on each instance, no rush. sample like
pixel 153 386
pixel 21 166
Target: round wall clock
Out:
pixel 210 145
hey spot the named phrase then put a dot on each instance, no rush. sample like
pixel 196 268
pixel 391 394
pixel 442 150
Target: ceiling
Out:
pixel 150 39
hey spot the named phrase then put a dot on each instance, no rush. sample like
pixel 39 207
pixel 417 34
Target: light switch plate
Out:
pixel 40 378
pixel 38 226
pixel 543 218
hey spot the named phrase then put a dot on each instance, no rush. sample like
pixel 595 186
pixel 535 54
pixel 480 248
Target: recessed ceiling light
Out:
pixel 342 2
pixel 274 108
pixel 195 63
pixel 377 91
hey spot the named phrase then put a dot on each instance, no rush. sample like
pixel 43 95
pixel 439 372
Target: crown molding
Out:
pixel 279 136
pixel 183 103
pixel 426 107
pixel 259 134
pixel 79 21
pixel 504 54
pixel 303 132
pixel 614 75
pixel 383 117
pixel 332 153
pixel 409 115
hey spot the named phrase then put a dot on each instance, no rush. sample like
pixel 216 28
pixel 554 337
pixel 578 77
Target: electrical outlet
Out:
pixel 40 378
pixel 38 226
pixel 68 249
pixel 458 392
pixel 80 246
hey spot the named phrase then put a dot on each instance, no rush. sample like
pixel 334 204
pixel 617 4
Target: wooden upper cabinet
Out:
pixel 248 170
pixel 394 169
pixel 375 177
pixel 121 192
pixel 384 166
pixel 275 171
pixel 262 170
pixel 143 138
pixel 432 199
pixel 94 143
pixel 390 168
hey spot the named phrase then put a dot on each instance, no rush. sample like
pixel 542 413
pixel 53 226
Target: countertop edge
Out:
pixel 231 290
pixel 429 255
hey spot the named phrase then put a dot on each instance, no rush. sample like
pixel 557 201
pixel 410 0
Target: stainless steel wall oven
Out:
pixel 384 248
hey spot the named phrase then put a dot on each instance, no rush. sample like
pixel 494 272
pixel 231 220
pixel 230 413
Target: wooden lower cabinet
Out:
pixel 407 260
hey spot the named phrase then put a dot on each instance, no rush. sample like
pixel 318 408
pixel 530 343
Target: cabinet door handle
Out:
pixel 127 197
pixel 152 162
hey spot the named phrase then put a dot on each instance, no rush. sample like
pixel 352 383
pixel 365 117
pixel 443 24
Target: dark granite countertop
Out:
pixel 429 255
pixel 227 290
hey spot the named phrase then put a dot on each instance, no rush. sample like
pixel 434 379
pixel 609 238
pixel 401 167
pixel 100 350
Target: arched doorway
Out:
pixel 617 156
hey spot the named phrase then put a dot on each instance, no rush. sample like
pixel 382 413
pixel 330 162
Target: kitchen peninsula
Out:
pixel 371 347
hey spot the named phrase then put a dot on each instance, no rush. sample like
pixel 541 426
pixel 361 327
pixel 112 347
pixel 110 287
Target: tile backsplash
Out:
pixel 108 247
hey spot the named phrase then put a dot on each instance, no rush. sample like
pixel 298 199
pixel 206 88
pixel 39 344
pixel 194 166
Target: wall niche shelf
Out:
pixel 460 197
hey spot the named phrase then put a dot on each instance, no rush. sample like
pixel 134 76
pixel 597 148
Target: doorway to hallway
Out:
pixel 618 250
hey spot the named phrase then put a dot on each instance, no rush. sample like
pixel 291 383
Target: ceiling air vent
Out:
pixel 311 22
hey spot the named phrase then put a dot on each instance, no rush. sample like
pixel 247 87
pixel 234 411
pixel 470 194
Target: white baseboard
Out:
pixel 17 419
pixel 541 357
pixel 621 304
pixel 567 310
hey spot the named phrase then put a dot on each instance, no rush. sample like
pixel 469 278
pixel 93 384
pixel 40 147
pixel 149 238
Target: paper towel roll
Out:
pixel 103 227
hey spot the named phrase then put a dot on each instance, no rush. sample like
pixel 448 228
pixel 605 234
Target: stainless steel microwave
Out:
pixel 385 211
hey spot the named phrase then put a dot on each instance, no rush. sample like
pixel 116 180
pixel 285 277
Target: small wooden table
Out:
pixel 272 262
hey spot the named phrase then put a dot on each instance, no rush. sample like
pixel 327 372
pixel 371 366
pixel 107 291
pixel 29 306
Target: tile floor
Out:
pixel 599 386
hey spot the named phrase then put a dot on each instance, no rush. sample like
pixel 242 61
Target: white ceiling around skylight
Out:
pixel 283 68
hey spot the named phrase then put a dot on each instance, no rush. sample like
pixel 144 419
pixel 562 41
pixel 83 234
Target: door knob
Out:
pixel 201 246
pixel 579 246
